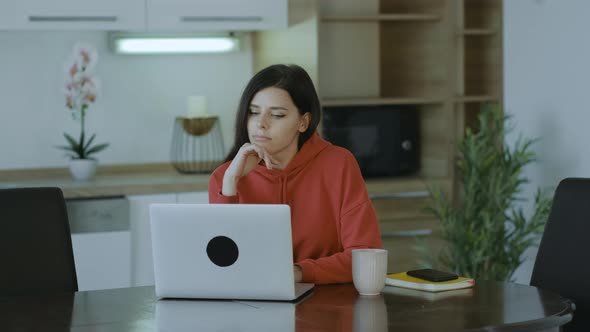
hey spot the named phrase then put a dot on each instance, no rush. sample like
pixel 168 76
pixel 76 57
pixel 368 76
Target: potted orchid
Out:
pixel 80 92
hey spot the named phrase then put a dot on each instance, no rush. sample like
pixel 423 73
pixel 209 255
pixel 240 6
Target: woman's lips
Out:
pixel 260 138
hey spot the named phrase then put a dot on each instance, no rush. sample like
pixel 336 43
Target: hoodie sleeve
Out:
pixel 215 183
pixel 358 229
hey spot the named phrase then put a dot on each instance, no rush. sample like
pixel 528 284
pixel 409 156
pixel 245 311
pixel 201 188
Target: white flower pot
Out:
pixel 83 169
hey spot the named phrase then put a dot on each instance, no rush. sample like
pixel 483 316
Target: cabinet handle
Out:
pixel 405 194
pixel 408 233
pixel 72 18
pixel 201 19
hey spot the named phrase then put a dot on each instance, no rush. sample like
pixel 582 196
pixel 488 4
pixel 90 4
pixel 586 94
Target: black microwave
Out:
pixel 383 138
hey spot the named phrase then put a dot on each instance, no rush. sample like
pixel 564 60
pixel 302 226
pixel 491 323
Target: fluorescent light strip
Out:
pixel 175 45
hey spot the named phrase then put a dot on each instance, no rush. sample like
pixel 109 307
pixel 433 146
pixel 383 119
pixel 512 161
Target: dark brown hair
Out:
pixel 290 78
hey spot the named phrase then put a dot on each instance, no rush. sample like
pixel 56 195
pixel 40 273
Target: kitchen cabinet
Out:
pixel 144 15
pixel 403 221
pixel 403 225
pixel 101 242
pixel 201 197
pixel 111 238
pixel 72 15
pixel 102 259
pixel 142 271
pixel 191 15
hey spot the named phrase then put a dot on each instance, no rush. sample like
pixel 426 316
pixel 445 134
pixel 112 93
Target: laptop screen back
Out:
pixel 222 251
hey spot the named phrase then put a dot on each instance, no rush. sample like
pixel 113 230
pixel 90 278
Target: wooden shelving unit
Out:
pixel 479 60
pixel 476 99
pixel 381 17
pixel 381 101
pixel 403 184
pixel 442 58
pixel 477 32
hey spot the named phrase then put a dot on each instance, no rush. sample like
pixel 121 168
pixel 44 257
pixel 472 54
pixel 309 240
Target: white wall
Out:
pixel 547 72
pixel 140 96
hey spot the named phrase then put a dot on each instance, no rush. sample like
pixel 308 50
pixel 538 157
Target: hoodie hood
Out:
pixel 310 149
pixel 314 145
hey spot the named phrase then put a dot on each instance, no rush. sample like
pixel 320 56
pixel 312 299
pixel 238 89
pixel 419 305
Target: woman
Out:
pixel 279 158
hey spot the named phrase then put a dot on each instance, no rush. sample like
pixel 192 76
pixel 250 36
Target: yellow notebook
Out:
pixel 403 280
pixel 428 296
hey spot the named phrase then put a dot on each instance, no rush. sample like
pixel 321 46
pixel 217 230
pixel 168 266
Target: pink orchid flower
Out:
pixel 69 101
pixel 85 55
pixel 73 69
pixel 90 97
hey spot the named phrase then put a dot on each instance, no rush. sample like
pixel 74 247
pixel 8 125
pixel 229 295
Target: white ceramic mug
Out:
pixel 369 269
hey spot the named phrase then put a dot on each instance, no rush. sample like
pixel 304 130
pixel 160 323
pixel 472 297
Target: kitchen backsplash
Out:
pixel 139 98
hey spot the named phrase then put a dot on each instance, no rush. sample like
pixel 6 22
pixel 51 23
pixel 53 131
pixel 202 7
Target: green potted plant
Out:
pixel 485 229
pixel 81 91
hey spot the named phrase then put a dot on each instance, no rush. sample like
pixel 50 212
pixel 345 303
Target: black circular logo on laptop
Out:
pixel 222 251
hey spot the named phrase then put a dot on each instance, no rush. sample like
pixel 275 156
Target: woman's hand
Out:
pixel 298 274
pixel 243 163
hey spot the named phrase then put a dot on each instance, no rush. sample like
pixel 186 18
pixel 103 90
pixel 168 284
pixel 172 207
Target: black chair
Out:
pixel 563 261
pixel 35 244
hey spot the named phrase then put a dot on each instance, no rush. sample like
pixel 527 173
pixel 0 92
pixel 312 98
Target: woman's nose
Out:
pixel 263 122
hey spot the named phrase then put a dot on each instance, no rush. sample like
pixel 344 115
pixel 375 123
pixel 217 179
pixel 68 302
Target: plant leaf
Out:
pixel 97 148
pixel 74 146
pixel 71 140
pixel 87 145
pixel 65 147
pixel 81 151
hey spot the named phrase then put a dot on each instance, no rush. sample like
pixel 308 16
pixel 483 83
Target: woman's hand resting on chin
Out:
pixel 243 163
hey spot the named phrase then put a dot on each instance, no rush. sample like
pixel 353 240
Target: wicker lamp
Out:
pixel 197 142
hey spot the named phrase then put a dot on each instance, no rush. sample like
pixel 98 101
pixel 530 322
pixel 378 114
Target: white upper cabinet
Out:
pixel 143 15
pixel 197 15
pixel 72 14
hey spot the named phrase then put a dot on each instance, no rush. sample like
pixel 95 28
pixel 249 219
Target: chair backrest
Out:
pixel 35 244
pixel 563 261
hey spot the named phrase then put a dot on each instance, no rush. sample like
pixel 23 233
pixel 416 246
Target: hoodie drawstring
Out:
pixel 283 185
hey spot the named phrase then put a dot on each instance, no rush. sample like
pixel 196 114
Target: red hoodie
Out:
pixel 331 213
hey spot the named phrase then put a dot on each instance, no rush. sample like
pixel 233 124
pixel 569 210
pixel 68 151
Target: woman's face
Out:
pixel 274 122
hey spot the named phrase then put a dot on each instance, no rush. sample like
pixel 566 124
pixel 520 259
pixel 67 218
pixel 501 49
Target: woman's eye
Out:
pixel 278 116
pixel 253 112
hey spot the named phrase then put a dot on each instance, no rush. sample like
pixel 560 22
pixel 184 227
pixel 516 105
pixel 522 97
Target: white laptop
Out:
pixel 224 251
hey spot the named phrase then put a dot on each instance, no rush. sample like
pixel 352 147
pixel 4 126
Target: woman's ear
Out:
pixel 304 124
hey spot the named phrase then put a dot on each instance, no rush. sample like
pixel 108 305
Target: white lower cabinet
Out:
pixel 201 197
pixel 101 242
pixel 110 252
pixel 142 272
pixel 102 259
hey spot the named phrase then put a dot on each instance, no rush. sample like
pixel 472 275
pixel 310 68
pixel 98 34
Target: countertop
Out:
pixel 120 180
pixel 144 179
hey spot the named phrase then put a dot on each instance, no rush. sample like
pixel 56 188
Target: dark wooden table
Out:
pixel 490 306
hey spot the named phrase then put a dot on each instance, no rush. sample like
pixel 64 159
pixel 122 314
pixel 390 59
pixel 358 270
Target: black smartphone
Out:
pixel 432 275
